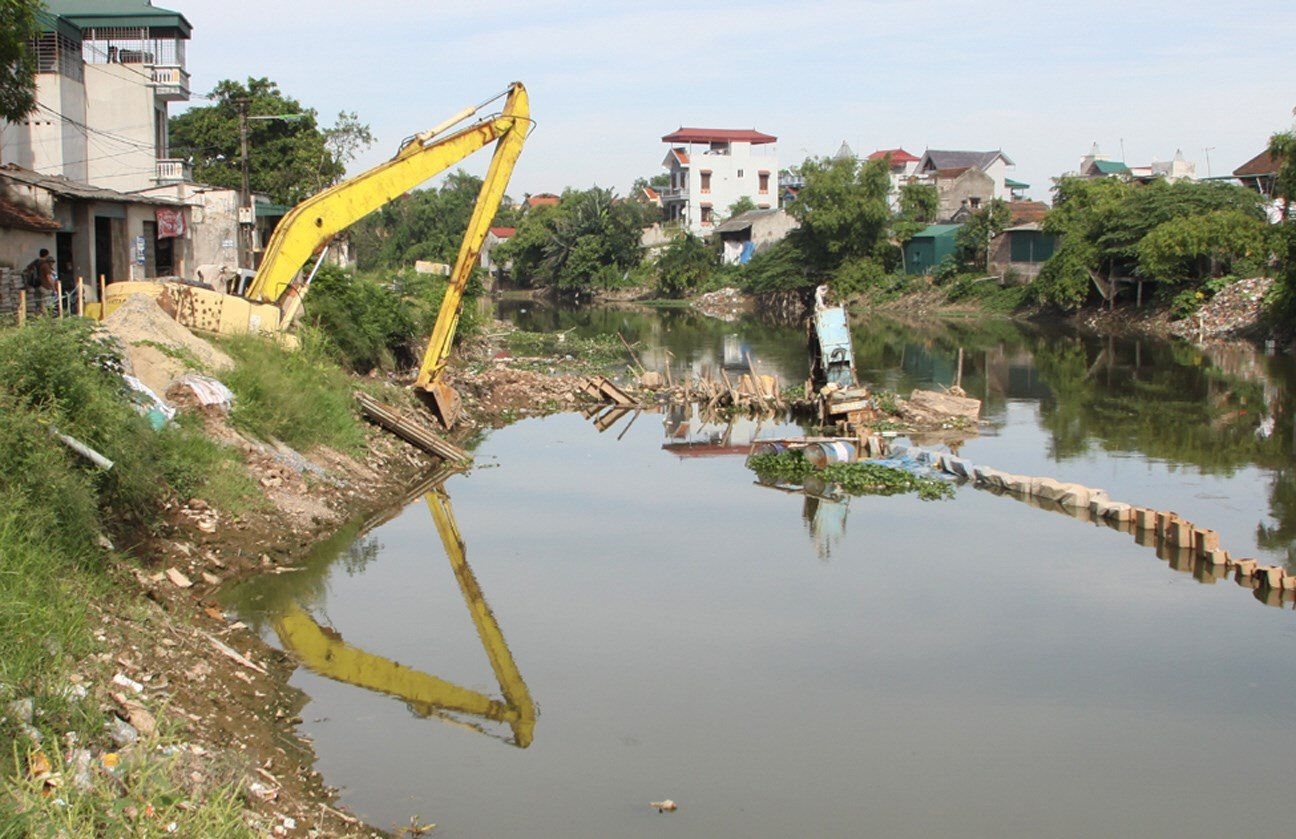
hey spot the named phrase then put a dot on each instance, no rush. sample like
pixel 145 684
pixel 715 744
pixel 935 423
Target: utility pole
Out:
pixel 246 216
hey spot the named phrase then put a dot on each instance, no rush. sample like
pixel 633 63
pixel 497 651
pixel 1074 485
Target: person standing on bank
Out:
pixel 45 281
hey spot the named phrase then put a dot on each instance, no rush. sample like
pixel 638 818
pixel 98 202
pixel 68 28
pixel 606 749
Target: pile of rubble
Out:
pixel 1233 313
pixel 498 392
pixel 727 304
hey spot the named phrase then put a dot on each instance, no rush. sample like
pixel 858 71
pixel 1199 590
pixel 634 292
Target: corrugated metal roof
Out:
pixel 743 221
pixel 105 13
pixel 719 135
pixel 937 230
pixel 1111 167
pixel 68 188
pixel 941 159
pixel 1011 184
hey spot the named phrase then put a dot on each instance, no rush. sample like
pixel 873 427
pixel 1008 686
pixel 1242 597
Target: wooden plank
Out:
pixel 849 406
pixel 410 429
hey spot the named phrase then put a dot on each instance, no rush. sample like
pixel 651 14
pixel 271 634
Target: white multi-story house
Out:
pixel 106 73
pixel 711 168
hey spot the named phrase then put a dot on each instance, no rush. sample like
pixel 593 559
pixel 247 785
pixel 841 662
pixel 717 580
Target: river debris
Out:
pixel 1232 313
pixel 664 806
pixel 1186 546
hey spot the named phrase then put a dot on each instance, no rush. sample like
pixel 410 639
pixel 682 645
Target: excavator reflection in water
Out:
pixel 323 651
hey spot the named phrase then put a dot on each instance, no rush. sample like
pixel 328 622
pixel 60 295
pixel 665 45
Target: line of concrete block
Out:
pixel 1186 546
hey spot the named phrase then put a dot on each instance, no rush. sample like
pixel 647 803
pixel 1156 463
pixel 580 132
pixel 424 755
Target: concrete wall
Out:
pixel 45 142
pixel 954 193
pixel 120 101
pixel 772 228
pixel 19 247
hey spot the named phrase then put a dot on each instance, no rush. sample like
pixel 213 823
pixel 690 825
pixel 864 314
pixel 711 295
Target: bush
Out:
pixel 685 266
pixel 780 267
pixel 856 276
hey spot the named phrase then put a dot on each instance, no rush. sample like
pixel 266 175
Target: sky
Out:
pixel 1043 81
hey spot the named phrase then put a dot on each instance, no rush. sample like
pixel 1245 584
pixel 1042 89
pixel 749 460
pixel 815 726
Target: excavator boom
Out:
pixel 311 224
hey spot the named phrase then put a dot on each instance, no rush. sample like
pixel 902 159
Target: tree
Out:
pixel 288 159
pixel 425 224
pixel 972 241
pixel 685 266
pixel 1103 221
pixel 842 209
pixel 1198 247
pixel 919 202
pixel 919 205
pixel 17 63
pixel 1282 148
pixel 742 205
pixel 589 239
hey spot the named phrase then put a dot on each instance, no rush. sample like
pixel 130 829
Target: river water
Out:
pixel 595 619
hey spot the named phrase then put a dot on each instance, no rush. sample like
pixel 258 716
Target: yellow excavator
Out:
pixel 324 652
pixel 272 300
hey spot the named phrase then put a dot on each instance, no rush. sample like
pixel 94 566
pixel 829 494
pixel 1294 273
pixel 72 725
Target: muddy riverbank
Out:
pixel 183 674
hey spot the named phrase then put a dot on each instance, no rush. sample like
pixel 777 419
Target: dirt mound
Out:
pixel 158 348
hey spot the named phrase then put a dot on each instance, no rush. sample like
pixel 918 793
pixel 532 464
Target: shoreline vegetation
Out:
pixel 132 703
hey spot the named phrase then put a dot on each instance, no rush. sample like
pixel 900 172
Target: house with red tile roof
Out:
pixel 711 168
pixel 495 236
pixel 541 199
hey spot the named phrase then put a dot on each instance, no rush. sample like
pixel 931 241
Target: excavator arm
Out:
pixel 310 225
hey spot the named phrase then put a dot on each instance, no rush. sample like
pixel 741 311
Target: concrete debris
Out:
pixel 121 732
pixel 178 579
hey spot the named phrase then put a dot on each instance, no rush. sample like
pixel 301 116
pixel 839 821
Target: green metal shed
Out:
pixel 928 247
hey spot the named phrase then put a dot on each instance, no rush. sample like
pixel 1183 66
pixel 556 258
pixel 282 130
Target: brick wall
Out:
pixel 11 284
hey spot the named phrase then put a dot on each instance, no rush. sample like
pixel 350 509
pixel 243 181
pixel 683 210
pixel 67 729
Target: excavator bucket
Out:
pixel 444 402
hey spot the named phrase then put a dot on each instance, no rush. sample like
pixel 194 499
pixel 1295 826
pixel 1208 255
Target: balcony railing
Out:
pixel 171 83
pixel 173 171
pixel 674 194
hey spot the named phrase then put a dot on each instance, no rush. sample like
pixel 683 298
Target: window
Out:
pixel 764 183
pixel 706 215
pixel 706 180
pixel 976 202
pixel 740 173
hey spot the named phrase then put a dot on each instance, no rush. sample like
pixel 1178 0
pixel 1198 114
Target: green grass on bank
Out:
pixel 302 398
pixel 56 511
